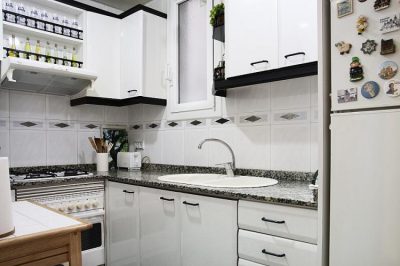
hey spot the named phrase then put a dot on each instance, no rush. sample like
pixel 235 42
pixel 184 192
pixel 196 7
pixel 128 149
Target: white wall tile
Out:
pixel 27 148
pixel 153 145
pixel 27 105
pixel 173 149
pixel 59 108
pixel 290 147
pixel 135 113
pixel 4 104
pixel 293 93
pixel 4 143
pixel 88 112
pixel 218 153
pixel 314 90
pixel 86 154
pixel 253 150
pixel 253 98
pixel 62 147
pixel 153 112
pixel 116 114
pixel 194 156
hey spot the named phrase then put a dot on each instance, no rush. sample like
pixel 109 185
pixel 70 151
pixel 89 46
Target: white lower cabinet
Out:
pixel 175 229
pixel 159 228
pixel 122 216
pixel 209 231
pixel 276 235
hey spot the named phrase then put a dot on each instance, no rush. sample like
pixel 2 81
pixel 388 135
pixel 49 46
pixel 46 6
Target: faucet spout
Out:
pixel 233 164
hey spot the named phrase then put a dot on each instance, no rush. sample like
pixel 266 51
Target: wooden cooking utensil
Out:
pixel 93 144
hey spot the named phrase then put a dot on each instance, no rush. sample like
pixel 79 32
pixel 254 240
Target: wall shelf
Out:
pixel 31 32
pixel 118 102
pixel 290 72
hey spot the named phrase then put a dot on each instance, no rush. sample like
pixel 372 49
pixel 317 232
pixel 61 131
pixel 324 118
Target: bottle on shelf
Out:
pixel 66 29
pixel 56 20
pixel 49 53
pixel 39 51
pixel 74 58
pixel 67 55
pixel 10 6
pixel 21 10
pixel 12 53
pixel 59 54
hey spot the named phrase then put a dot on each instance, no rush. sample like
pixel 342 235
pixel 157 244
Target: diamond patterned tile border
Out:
pixel 61 125
pixel 252 118
pixel 136 126
pixel 290 116
pixel 153 125
pixel 195 122
pixel 91 126
pixel 222 121
pixel 172 124
pixel 28 124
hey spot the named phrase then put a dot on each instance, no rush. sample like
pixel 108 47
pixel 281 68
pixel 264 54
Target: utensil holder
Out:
pixel 102 162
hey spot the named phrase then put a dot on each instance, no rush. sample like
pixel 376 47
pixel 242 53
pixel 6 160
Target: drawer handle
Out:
pixel 259 62
pixel 273 254
pixel 131 91
pixel 162 198
pixel 299 53
pixel 129 192
pixel 272 221
pixel 190 204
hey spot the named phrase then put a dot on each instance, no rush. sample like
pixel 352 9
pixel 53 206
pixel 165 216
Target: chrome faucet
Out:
pixel 229 166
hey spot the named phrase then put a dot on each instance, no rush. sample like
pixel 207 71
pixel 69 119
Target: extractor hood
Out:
pixel 33 76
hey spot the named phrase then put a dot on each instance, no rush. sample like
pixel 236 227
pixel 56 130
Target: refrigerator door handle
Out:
pixel 272 221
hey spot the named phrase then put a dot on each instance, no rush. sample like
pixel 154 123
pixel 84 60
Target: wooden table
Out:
pixel 43 237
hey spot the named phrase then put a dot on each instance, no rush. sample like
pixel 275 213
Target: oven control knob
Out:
pixel 95 204
pixel 70 207
pixel 61 209
pixel 87 205
pixel 79 206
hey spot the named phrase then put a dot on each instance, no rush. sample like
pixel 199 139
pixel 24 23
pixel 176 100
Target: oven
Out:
pixel 80 200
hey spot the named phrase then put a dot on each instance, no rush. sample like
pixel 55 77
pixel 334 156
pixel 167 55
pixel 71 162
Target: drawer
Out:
pixel 289 222
pixel 243 262
pixel 275 251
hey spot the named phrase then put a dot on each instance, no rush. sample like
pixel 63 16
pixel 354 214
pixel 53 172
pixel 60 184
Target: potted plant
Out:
pixel 217 15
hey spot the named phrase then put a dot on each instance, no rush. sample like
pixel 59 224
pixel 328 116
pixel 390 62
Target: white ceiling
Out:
pixel 122 5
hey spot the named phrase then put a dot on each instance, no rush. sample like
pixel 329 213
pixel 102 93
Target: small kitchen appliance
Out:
pixel 129 160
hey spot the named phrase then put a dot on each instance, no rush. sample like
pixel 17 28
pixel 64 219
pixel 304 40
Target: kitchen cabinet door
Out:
pixel 209 231
pixel 251 36
pixel 160 231
pixel 102 50
pixel 122 216
pixel 297 31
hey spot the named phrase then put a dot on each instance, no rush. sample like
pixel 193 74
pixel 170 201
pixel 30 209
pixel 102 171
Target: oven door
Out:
pixel 93 239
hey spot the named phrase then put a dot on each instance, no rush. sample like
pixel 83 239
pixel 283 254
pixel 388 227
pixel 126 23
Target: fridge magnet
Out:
pixel 361 24
pixel 387 70
pixel 392 88
pixel 387 47
pixel 343 47
pixel 346 96
pixel 356 70
pixel 369 46
pixel 370 89
pixel 390 23
pixel 344 8
pixel 381 4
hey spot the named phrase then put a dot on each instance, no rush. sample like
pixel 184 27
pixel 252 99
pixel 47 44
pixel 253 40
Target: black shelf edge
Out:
pixel 284 73
pixel 117 102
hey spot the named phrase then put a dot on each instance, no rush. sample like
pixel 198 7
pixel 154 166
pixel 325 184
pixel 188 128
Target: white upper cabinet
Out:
pixel 143 55
pixel 251 36
pixel 297 30
pixel 102 52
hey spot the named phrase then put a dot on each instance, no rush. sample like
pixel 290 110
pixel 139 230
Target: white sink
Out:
pixel 222 181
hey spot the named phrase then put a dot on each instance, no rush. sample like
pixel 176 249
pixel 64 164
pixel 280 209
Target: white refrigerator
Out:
pixel 365 137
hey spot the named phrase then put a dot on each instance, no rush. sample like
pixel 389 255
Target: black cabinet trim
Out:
pixel 110 14
pixel 290 72
pixel 117 102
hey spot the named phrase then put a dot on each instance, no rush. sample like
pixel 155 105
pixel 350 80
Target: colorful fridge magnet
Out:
pixel 344 8
pixel 346 96
pixel 369 46
pixel 392 88
pixel 361 24
pixel 356 70
pixel 390 23
pixel 370 89
pixel 387 47
pixel 381 4
pixel 344 48
pixel 388 70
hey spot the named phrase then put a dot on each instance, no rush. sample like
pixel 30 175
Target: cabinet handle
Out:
pixel 299 53
pixel 162 198
pixel 191 204
pixel 129 192
pixel 259 62
pixel 131 91
pixel 273 254
pixel 272 221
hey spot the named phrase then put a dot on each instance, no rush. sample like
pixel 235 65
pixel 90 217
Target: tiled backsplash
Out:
pixel 38 130
pixel 269 126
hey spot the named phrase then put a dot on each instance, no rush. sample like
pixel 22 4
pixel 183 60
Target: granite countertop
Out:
pixel 291 191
